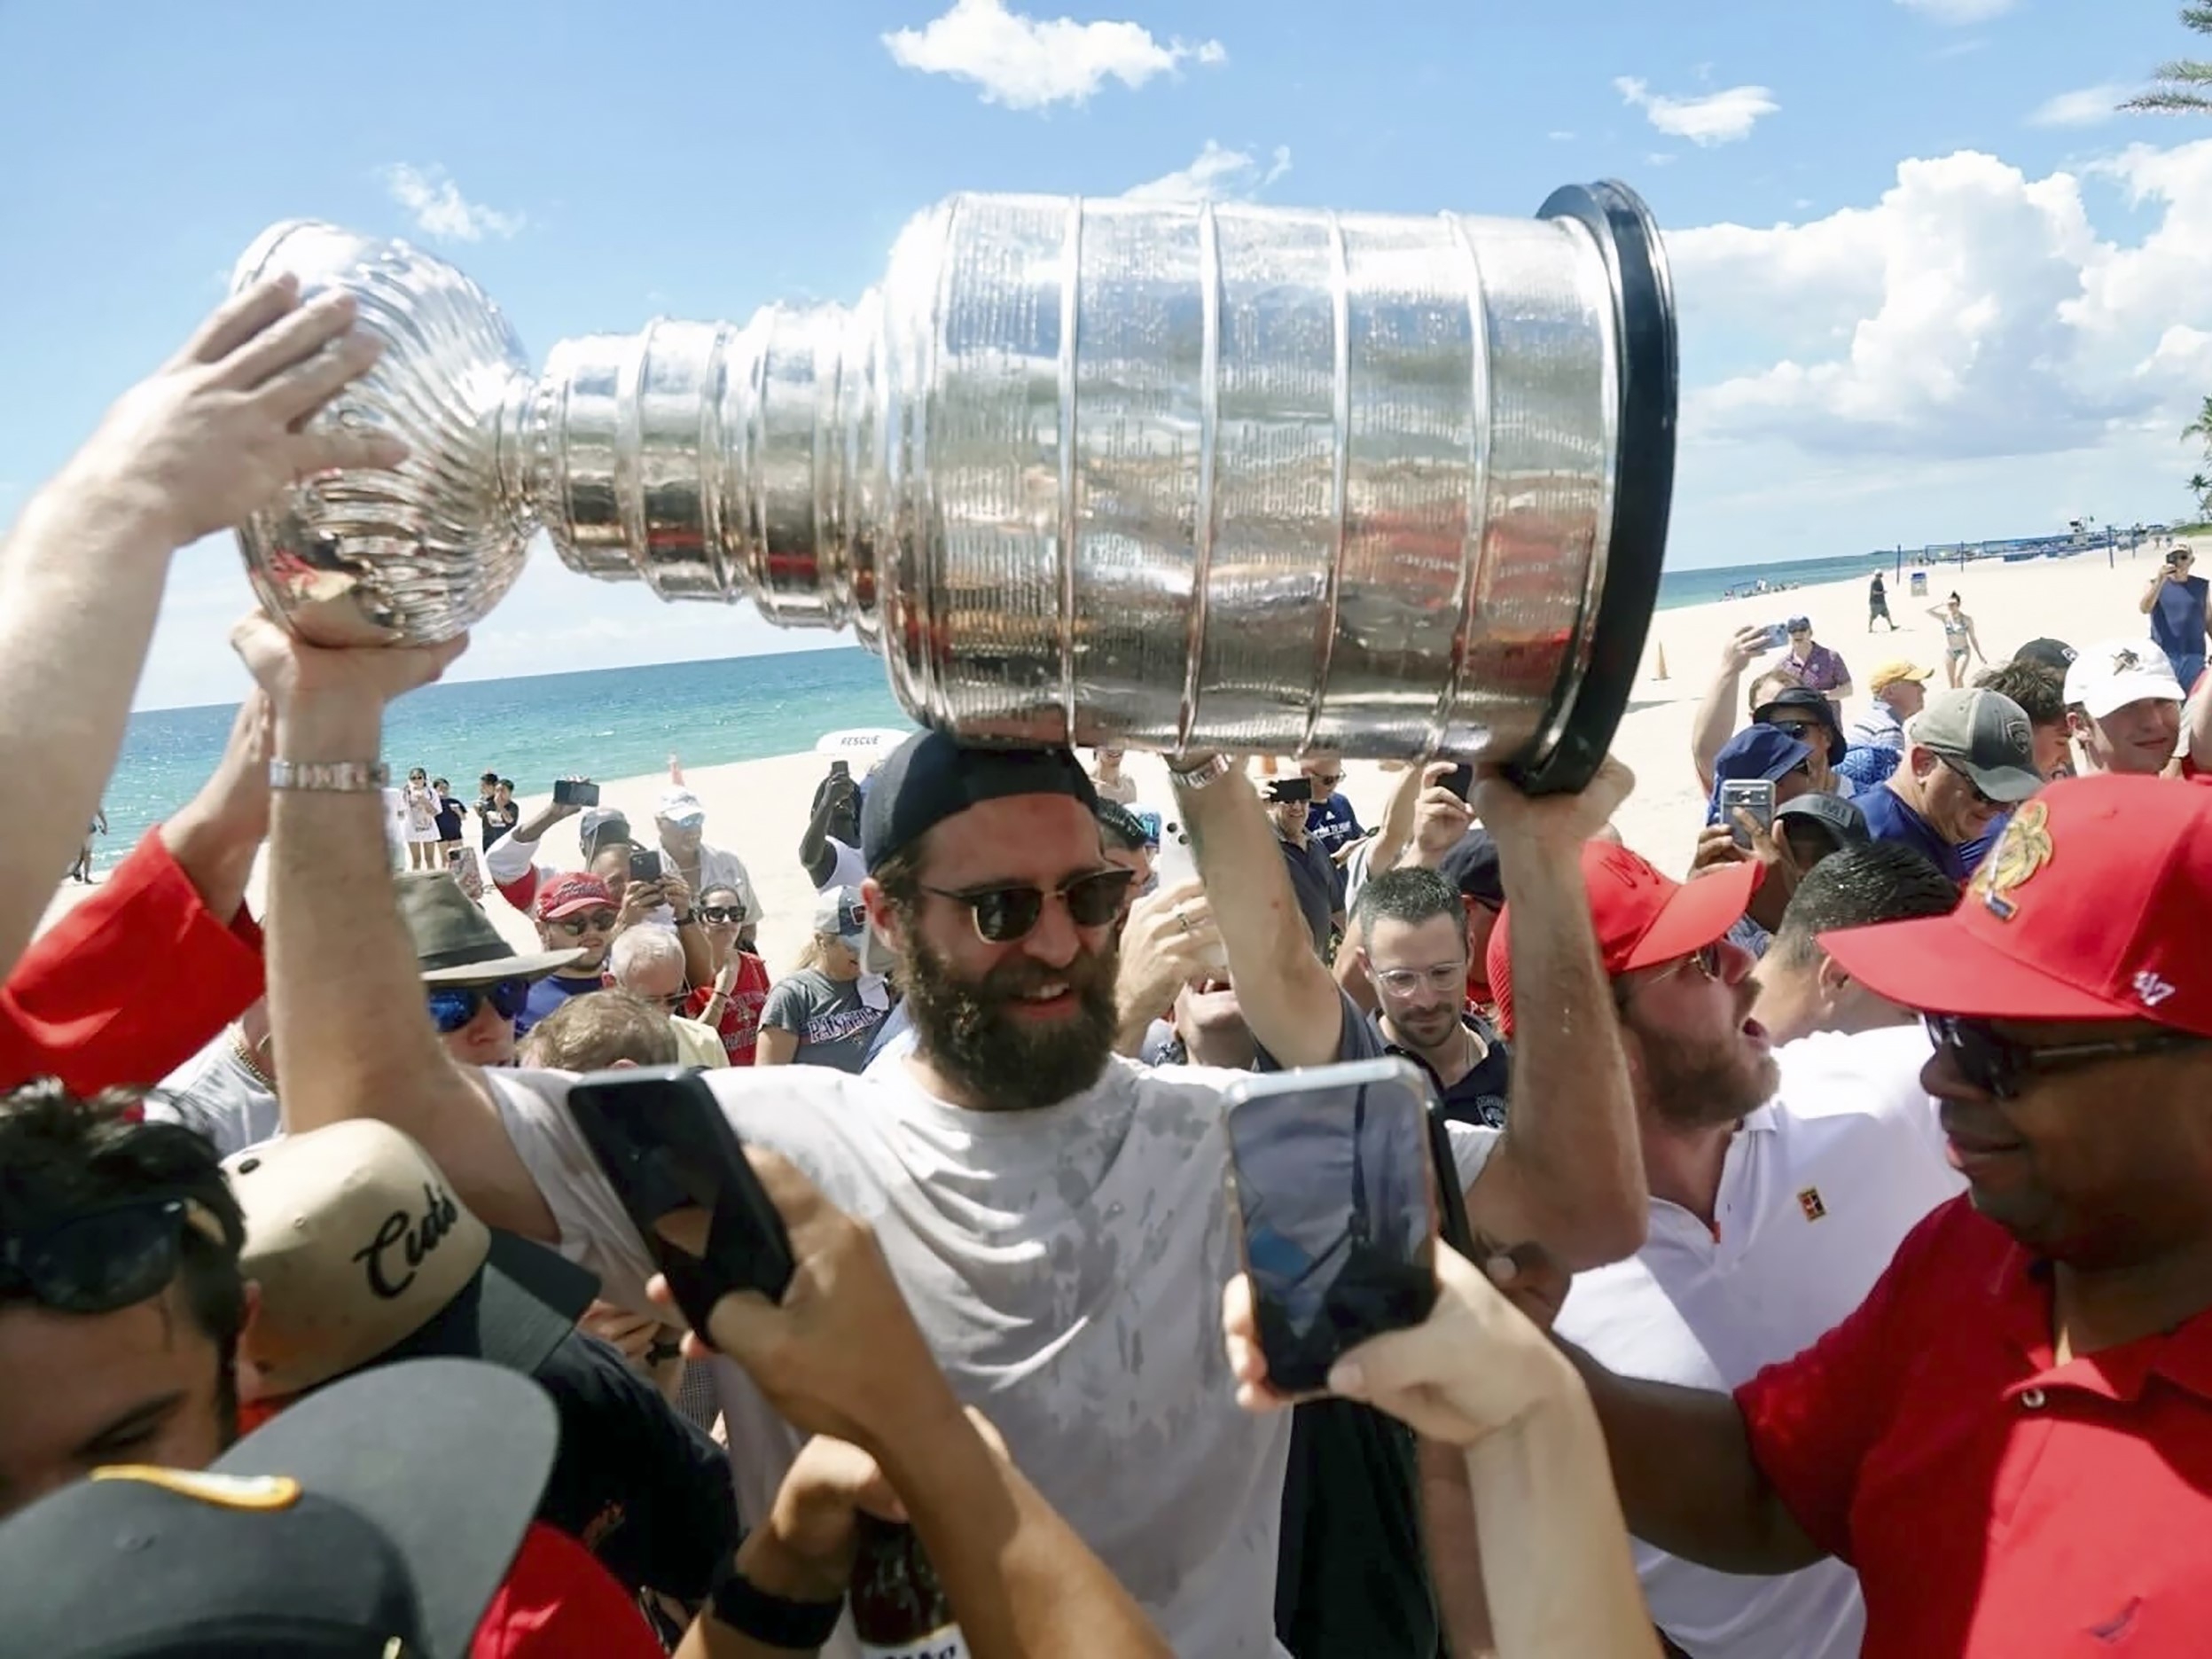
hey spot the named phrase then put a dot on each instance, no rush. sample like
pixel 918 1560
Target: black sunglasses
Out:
pixel 1961 773
pixel 1997 1065
pixel 1004 914
pixel 453 1006
pixel 722 913
pixel 576 926
pixel 100 1260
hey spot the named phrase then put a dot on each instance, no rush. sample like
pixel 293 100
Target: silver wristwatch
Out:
pixel 1205 773
pixel 352 778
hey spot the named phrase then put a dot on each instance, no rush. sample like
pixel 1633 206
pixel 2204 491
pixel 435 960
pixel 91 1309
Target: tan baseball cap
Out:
pixel 363 1255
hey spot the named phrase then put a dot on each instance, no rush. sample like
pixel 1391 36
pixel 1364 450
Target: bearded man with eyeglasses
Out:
pixel 1058 1216
pixel 2009 1436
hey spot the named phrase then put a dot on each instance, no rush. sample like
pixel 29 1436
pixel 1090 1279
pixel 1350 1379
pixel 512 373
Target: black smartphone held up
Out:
pixel 840 768
pixel 673 1160
pixel 1335 1190
pixel 1460 778
pixel 572 792
pixel 1281 790
pixel 645 866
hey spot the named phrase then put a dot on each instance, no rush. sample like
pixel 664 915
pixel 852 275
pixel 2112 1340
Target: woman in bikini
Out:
pixel 1959 638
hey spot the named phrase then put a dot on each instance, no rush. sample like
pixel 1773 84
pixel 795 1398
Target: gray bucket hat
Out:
pixel 456 944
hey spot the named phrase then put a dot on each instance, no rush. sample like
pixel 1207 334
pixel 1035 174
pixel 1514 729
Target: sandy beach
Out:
pixel 758 809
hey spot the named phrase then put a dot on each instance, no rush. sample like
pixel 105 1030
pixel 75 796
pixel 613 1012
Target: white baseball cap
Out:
pixel 2116 672
pixel 680 806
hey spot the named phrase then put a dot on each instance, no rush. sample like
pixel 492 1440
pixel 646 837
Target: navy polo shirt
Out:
pixel 1890 818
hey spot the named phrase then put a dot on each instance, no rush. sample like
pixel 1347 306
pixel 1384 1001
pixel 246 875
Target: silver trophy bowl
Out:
pixel 1170 476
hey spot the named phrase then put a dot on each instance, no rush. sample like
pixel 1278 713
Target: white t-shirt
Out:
pixel 1066 1266
pixel 214 1093
pixel 848 868
pixel 1820 1187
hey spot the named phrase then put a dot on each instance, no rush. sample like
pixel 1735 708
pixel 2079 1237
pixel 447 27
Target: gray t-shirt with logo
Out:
pixel 1066 1266
pixel 834 1024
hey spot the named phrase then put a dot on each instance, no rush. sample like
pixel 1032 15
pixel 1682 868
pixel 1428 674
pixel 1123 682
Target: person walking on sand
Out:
pixel 82 870
pixel 2175 602
pixel 1959 638
pixel 1878 605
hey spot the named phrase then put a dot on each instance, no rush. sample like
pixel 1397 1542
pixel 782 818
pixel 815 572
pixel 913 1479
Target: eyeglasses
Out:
pixel 1960 773
pixel 453 1006
pixel 576 926
pixel 1004 914
pixel 102 1259
pixel 722 913
pixel 1325 780
pixel 1403 982
pixel 1997 1065
pixel 1705 958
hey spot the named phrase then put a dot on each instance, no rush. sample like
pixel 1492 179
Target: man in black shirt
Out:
pixel 1413 945
pixel 1313 875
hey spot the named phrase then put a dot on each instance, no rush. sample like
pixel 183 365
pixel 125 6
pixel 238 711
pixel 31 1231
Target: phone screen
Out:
pixel 673 1160
pixel 1459 780
pixel 1280 790
pixel 645 866
pixel 1336 1198
pixel 567 792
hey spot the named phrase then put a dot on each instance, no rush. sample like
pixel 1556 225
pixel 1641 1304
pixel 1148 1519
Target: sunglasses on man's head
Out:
pixel 453 1006
pixel 100 1260
pixel 597 921
pixel 1997 1065
pixel 1004 914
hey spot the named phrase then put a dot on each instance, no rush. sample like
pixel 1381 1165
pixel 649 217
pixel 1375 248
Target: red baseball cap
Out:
pixel 1642 917
pixel 566 894
pixel 2094 904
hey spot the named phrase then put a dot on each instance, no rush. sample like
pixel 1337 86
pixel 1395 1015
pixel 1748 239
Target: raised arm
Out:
pixel 2149 601
pixel 815 855
pixel 1289 998
pixel 841 1356
pixel 1556 1572
pixel 345 995
pixel 207 441
pixel 1569 1170
pixel 1716 715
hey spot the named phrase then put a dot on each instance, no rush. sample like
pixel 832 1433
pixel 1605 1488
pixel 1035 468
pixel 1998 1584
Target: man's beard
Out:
pixel 1700 1083
pixel 1001 1060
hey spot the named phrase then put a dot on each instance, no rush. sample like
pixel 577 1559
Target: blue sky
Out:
pixel 1931 286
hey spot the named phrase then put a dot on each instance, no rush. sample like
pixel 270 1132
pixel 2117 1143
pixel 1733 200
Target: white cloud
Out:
pixel 1970 312
pixel 2086 106
pixel 1031 63
pixel 1721 117
pixel 1959 12
pixel 1560 137
pixel 441 210
pixel 1215 174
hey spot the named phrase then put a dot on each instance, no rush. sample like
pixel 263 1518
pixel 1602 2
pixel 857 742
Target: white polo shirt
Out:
pixel 1820 1186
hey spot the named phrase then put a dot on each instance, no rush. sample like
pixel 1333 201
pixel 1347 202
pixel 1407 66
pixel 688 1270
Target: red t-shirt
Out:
pixel 1995 1502
pixel 131 984
pixel 740 1023
pixel 557 1602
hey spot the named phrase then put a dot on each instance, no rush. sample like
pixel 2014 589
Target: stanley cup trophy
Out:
pixel 1176 477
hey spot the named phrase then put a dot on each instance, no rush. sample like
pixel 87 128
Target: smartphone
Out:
pixel 1280 790
pixel 1778 634
pixel 1459 780
pixel 1754 796
pixel 1335 1191
pixel 668 1152
pixel 838 768
pixel 569 791
pixel 645 864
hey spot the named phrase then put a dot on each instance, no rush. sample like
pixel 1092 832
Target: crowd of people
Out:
pixel 1821 1234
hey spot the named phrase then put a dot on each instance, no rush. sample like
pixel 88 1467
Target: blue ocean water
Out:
pixel 621 722
pixel 608 722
